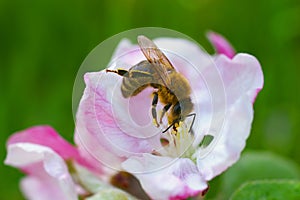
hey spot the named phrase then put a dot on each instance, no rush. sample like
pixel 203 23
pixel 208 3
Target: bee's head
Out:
pixel 181 109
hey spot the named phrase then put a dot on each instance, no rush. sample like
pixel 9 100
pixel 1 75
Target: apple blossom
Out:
pixel 176 164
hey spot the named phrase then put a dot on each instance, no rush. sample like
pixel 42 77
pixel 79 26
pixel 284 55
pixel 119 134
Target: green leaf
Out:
pixel 255 165
pixel 268 190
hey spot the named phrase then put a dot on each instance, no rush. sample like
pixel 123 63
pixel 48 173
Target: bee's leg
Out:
pixel 175 110
pixel 121 72
pixel 165 109
pixel 153 109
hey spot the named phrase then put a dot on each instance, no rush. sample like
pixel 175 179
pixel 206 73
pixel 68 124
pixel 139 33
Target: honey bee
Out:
pixel 170 87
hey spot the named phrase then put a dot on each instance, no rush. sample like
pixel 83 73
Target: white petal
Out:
pixel 227 149
pixel 242 78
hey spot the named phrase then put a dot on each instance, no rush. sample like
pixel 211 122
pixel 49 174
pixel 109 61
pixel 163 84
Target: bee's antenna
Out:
pixel 174 122
pixel 167 128
pixel 111 70
pixel 194 117
pixel 121 72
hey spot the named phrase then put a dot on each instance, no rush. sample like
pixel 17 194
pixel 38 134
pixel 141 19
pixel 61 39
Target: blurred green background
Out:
pixel 43 44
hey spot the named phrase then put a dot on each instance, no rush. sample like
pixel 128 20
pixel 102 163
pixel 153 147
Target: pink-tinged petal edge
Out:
pixel 165 177
pixel 221 45
pixel 242 75
pixel 47 136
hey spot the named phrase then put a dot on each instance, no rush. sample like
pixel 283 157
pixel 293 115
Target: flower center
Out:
pixel 177 143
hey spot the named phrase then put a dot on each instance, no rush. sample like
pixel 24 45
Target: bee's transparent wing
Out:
pixel 154 55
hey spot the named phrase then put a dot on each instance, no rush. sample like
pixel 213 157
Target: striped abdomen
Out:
pixel 139 77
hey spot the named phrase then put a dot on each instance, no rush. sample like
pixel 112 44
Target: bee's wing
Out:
pixel 156 56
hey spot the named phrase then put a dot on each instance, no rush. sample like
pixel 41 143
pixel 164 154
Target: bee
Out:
pixel 171 88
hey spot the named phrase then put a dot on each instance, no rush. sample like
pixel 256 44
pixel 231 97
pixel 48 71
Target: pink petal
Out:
pixel 166 178
pixel 47 136
pixel 243 78
pixel 49 177
pixel 221 45
pixel 103 123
